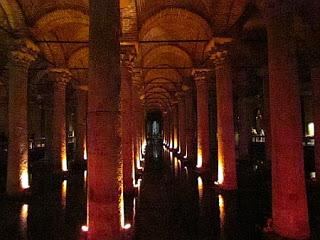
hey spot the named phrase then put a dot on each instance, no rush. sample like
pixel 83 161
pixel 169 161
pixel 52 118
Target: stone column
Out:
pixel 136 130
pixel 81 125
pixel 172 128
pixel 105 201
pixel 203 152
pixel 227 174
pixel 289 201
pixel 315 78
pixel 182 124
pixel 165 127
pixel 127 119
pixel 60 78
pixel 175 126
pixel 23 54
pixel 189 126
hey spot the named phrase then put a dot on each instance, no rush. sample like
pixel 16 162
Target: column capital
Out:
pixel 128 55
pixel 200 75
pixel 180 96
pixel 60 75
pixel 23 52
pixel 218 49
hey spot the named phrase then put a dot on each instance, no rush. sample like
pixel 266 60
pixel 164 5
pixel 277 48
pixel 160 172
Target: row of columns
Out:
pixel 288 189
pixel 289 202
pixel 227 177
pixel 132 119
pixel 20 58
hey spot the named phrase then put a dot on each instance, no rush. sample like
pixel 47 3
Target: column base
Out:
pixel 78 165
pixel 222 188
pixel 59 176
pixel 23 195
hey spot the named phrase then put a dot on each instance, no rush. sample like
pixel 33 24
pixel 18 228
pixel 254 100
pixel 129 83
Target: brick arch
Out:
pixel 172 74
pixel 176 22
pixel 50 24
pixel 166 54
pixel 75 59
pixel 59 18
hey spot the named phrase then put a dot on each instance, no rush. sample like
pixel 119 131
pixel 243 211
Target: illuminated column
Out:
pixel 315 76
pixel 136 102
pixel 227 175
pixel 81 125
pixel 60 78
pixel 289 201
pixel 165 126
pixel 105 201
pixel 171 128
pixel 190 128
pixel 175 126
pixel 127 149
pixel 182 123
pixel 20 58
pixel 203 160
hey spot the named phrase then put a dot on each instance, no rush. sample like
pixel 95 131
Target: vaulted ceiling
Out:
pixel 171 34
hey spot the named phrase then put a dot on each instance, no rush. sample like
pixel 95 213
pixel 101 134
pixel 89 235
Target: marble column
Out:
pixel 227 174
pixel 136 134
pixel 190 128
pixel 315 78
pixel 182 124
pixel 171 128
pixel 81 125
pixel 289 200
pixel 165 126
pixel 23 54
pixel 105 200
pixel 60 78
pixel 127 119
pixel 203 151
pixel 175 126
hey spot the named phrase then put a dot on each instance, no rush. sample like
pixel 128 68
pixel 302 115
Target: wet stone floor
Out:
pixel 172 203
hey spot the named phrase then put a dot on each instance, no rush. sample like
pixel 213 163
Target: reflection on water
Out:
pixel 172 202
pixel 200 189
pixel 55 212
pixel 24 220
pixel 64 193
pixel 176 204
pixel 221 209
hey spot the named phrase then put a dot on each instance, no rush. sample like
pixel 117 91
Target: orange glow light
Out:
pixel 200 188
pixel 24 217
pixel 85 154
pixel 84 228
pixel 127 226
pixel 64 193
pixel 221 208
pixel 220 171
pixel 122 215
pixel 175 144
pixel 24 178
pixel 199 160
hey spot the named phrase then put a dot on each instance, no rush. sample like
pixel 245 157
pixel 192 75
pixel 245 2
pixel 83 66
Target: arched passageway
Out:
pixel 138 119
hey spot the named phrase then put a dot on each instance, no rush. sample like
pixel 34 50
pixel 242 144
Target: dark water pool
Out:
pixel 173 203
